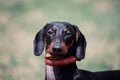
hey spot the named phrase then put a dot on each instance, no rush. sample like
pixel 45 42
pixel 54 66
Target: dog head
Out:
pixel 61 39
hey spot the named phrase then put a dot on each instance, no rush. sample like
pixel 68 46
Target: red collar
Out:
pixel 60 62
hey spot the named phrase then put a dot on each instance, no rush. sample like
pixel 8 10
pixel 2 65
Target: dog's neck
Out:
pixel 60 72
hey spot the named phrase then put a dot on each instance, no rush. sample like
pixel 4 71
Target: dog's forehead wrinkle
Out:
pixel 59 26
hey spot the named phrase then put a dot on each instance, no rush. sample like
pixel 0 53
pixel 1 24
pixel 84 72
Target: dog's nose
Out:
pixel 57 48
pixel 57 45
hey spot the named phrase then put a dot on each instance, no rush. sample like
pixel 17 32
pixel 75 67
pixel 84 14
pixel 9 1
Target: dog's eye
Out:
pixel 50 32
pixel 68 34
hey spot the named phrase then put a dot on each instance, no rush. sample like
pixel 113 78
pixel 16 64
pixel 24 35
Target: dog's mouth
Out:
pixel 54 56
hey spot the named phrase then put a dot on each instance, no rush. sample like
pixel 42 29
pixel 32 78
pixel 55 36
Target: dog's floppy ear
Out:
pixel 80 44
pixel 39 43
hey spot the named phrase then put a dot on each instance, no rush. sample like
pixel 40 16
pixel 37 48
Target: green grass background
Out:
pixel 20 20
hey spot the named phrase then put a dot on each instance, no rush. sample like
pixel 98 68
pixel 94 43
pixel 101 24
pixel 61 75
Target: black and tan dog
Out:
pixel 65 44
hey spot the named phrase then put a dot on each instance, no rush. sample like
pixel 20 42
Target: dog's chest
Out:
pixel 49 73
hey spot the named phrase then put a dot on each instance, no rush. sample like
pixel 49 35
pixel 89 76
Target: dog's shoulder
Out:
pixel 80 74
pixel 100 75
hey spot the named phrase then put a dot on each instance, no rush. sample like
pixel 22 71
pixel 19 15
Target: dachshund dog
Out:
pixel 64 45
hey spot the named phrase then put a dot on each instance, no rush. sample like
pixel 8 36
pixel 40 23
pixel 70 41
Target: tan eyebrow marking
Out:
pixel 54 28
pixel 65 30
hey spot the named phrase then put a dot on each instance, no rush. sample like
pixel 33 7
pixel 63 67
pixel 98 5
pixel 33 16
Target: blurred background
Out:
pixel 20 20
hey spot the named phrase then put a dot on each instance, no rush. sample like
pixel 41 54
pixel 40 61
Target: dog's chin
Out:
pixel 55 55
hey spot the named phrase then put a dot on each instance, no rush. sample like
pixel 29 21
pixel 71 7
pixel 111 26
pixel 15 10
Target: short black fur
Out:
pixel 70 71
